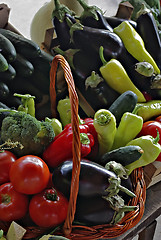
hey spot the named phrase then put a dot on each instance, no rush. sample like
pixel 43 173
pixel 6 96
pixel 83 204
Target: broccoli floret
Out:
pixel 32 134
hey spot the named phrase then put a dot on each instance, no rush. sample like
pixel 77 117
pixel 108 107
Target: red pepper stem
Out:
pixel 84 138
pixel 156 140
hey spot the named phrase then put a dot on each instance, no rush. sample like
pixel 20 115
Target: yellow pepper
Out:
pixel 135 44
pixel 117 78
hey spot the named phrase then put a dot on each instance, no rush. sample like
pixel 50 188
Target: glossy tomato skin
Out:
pixel 6 160
pixel 13 205
pixel 48 213
pixel 29 174
pixel 151 128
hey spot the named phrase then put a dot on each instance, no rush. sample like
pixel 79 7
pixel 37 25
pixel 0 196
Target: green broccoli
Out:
pixel 32 134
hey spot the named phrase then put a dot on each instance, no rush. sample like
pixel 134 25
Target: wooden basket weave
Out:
pixel 80 232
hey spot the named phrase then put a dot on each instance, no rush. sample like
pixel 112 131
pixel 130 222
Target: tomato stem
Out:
pixel 51 194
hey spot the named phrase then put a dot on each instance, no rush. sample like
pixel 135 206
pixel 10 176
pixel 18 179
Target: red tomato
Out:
pixel 29 174
pixel 13 205
pixel 150 128
pixel 6 160
pixel 48 208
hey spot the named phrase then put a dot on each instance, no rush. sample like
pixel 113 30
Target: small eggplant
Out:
pixel 90 39
pixel 82 65
pixel 92 16
pixel 95 180
pixel 115 21
pixel 148 30
pixel 61 14
pixel 141 81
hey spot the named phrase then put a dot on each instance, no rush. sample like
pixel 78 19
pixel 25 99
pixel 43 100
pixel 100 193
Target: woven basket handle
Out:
pixel 76 134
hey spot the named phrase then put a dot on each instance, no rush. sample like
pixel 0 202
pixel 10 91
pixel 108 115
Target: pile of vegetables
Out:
pixel 121 84
pixel 24 68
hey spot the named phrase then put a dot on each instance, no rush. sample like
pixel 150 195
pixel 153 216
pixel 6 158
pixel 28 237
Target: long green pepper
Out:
pixel 148 110
pixel 151 150
pixel 105 126
pixel 129 127
pixel 134 44
pixel 117 78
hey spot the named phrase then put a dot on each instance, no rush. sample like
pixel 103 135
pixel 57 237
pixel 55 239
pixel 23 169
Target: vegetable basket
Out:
pixel 70 229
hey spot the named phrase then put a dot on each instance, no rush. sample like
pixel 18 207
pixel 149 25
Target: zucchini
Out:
pixel 3 63
pixel 23 67
pixel 4 91
pixel 23 86
pixel 12 101
pixel 40 81
pixel 7 49
pixel 124 155
pixel 42 63
pixel 24 46
pixel 3 114
pixel 9 74
pixel 126 102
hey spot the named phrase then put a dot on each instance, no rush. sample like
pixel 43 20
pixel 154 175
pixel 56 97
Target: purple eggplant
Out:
pixel 93 211
pixel 100 198
pixel 82 66
pixel 61 15
pixel 148 30
pixel 95 180
pixel 90 39
pixel 97 210
pixel 115 21
pixel 92 16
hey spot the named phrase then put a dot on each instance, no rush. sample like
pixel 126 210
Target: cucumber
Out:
pixel 7 49
pixel 23 86
pixel 4 91
pixel 3 63
pixel 9 74
pixel 24 46
pixel 3 114
pixel 42 63
pixel 126 102
pixel 124 155
pixel 40 81
pixel 23 67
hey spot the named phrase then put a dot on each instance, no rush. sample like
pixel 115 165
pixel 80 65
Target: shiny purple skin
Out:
pixel 93 211
pixel 93 178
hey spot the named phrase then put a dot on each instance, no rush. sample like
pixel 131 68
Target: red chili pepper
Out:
pixel 60 148
pixel 92 130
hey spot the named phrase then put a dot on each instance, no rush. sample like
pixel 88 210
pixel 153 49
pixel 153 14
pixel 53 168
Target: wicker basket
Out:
pixel 70 230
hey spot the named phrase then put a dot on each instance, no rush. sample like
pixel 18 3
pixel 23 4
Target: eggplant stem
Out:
pixel 104 62
pixel 127 191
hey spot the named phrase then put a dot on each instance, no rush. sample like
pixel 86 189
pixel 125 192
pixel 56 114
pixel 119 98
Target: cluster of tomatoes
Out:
pixel 26 189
